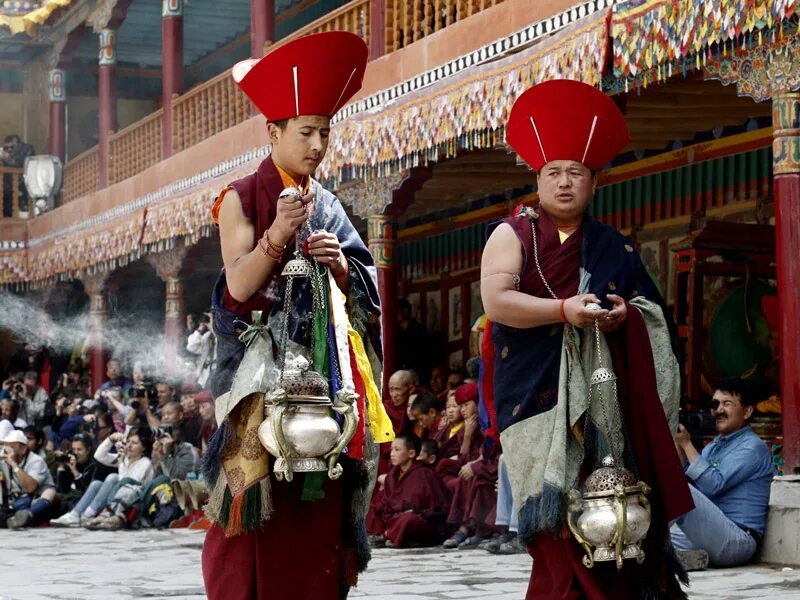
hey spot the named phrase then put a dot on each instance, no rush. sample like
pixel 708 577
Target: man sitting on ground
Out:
pixel 730 482
pixel 29 483
pixel 425 411
pixel 415 502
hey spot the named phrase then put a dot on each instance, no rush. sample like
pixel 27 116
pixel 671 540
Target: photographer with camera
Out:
pixel 104 503
pixel 200 343
pixel 34 400
pixel 72 417
pixel 29 483
pixel 36 444
pixel 76 470
pixel 172 457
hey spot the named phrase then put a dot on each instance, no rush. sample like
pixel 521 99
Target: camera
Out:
pixel 18 388
pixel 63 457
pixel 165 430
pixel 135 405
pixel 140 392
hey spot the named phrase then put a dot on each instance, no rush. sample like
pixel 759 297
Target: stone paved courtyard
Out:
pixel 77 564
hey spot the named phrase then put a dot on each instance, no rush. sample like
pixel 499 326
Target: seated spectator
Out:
pixel 188 430
pixel 474 499
pixel 730 484
pixel 447 436
pixel 70 384
pixel 71 417
pixel 205 408
pixel 115 377
pixel 105 504
pixel 426 413
pixel 36 444
pixel 165 392
pixel 468 439
pixel 141 389
pixel 192 420
pixel 172 457
pixel 506 517
pixel 35 402
pixel 415 501
pixel 29 483
pixel 428 452
pixel 76 470
pixel 9 410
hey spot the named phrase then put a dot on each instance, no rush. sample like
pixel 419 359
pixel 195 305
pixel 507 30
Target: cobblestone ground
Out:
pixel 76 565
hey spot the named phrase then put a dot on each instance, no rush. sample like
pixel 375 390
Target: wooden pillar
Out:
pixel 786 171
pixel 262 26
pixel 377 28
pixel 58 97
pixel 98 315
pixel 381 233
pixel 168 266
pixel 106 94
pixel 172 62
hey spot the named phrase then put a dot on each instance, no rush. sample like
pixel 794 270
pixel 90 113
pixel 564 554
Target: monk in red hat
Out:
pixel 541 271
pixel 303 539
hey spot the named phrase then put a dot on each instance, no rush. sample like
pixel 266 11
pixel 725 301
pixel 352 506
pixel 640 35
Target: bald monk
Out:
pixel 415 501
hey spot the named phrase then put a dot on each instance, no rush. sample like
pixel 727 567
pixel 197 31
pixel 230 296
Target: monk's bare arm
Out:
pixel 246 267
pixel 501 262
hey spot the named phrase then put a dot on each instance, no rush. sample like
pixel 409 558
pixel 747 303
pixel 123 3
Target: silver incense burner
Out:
pixel 610 516
pixel 300 430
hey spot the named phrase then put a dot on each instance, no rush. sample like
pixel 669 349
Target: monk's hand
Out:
pixel 576 312
pixel 290 214
pixel 470 425
pixel 326 250
pixel 381 481
pixel 616 316
pixel 466 472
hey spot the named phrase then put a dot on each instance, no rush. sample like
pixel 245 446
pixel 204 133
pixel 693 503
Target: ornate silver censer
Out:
pixel 299 429
pixel 611 517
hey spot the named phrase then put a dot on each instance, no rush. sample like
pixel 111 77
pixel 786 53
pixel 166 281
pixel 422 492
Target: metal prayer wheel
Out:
pixel 299 429
pixel 611 517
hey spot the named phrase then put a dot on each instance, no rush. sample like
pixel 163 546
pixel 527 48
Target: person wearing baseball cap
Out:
pixel 548 274
pixel 268 539
pixel 28 481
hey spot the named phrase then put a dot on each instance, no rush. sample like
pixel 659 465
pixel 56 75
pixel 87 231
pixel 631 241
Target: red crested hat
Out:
pixel 466 392
pixel 566 120
pixel 313 75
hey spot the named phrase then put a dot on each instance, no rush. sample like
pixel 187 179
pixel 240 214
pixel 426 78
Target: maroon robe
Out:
pixel 414 506
pixel 447 468
pixel 476 498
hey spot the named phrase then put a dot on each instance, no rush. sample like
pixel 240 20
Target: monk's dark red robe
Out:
pixel 476 498
pixel 447 468
pixel 414 507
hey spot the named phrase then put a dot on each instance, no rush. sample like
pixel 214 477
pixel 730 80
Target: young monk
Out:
pixel 447 437
pixel 469 438
pixel 415 502
pixel 427 415
pixel 428 453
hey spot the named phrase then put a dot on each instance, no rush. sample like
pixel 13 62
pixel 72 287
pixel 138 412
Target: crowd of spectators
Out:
pixel 127 455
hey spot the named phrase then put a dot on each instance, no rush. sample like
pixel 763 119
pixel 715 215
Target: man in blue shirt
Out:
pixel 730 483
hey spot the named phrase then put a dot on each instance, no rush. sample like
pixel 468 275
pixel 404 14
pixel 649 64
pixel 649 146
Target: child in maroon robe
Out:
pixel 425 411
pixel 415 502
pixel 469 438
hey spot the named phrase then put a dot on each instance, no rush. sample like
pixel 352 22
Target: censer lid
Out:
pixel 606 478
pixel 300 381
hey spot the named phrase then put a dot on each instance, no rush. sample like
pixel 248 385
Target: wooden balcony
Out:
pixel 218 104
pixel 15 203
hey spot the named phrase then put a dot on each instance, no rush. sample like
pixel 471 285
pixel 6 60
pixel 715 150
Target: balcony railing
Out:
pixel 408 21
pixel 218 104
pixel 80 175
pixel 15 201
pixel 135 148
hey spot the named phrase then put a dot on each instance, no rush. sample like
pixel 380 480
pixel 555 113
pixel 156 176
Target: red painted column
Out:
pixel 98 315
pixel 381 234
pixel 108 102
pixel 172 62
pixel 786 170
pixel 58 97
pixel 262 25
pixel 377 28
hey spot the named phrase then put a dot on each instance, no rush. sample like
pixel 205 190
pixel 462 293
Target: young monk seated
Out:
pixel 428 453
pixel 465 445
pixel 427 415
pixel 415 502
pixel 475 499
